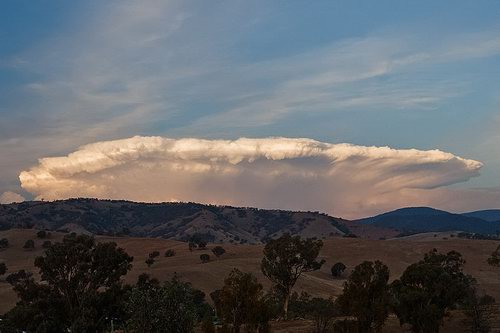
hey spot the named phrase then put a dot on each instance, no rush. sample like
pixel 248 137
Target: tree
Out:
pixel 4 243
pixel 3 268
pixel 79 288
pixel 46 244
pixel 202 244
pixel 192 245
pixel 171 307
pixel 240 300
pixel 41 234
pixel 429 288
pixel 29 244
pixel 322 311
pixel 366 295
pixel 154 254
pixel 149 262
pixel 169 253
pixel 479 312
pixel 494 260
pixel 204 258
pixel 285 259
pixel 338 269
pixel 218 251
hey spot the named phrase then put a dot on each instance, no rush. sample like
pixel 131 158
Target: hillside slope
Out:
pixel 178 221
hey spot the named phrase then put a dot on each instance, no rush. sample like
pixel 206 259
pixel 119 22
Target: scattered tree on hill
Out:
pixel 154 254
pixel 169 253
pixel 46 244
pixel 41 234
pixel 429 288
pixel 29 244
pixel 3 268
pixel 171 307
pixel 4 243
pixel 218 251
pixel 149 262
pixel 79 288
pixel 366 295
pixel 202 244
pixel 240 301
pixel 338 269
pixel 285 259
pixel 204 258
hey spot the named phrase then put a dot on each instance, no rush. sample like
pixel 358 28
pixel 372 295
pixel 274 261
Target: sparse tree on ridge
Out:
pixel 286 259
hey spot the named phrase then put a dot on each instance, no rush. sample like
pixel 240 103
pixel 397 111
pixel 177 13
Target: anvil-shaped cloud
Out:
pixel 341 179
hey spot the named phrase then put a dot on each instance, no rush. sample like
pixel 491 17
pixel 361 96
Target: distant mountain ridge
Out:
pixel 426 219
pixel 179 221
pixel 491 215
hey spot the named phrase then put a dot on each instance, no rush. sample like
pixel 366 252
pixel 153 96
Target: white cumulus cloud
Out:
pixel 341 179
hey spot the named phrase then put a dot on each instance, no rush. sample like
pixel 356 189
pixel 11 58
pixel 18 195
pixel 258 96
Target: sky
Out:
pixel 347 107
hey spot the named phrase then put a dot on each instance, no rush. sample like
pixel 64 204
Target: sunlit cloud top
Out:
pixel 269 172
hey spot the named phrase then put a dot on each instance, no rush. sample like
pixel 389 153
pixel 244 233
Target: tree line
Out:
pixel 80 289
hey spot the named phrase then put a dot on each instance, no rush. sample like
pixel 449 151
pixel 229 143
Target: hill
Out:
pixel 425 219
pixel 490 215
pixel 177 221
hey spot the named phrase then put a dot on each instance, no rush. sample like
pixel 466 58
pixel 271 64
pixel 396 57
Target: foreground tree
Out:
pixel 171 307
pixel 366 295
pixel 479 311
pixel 429 288
pixel 80 284
pixel 286 259
pixel 240 301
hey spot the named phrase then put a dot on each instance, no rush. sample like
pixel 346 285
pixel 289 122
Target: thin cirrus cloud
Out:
pixel 341 179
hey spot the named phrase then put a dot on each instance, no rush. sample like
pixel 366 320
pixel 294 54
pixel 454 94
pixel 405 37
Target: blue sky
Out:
pixel 404 74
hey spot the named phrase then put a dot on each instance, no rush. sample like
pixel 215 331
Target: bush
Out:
pixel 3 268
pixel 29 245
pixel 154 254
pixel 149 262
pixel 4 243
pixel 338 269
pixel 204 258
pixel 169 253
pixel 41 234
pixel 218 251
pixel 46 244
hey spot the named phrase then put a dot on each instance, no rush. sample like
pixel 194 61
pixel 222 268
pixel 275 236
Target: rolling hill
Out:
pixel 176 221
pixel 490 215
pixel 426 219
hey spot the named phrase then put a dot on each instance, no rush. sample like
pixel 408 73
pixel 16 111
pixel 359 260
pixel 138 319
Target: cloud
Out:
pixel 341 179
pixel 10 197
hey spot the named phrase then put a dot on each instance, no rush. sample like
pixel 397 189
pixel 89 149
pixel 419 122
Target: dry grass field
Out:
pixel 396 253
